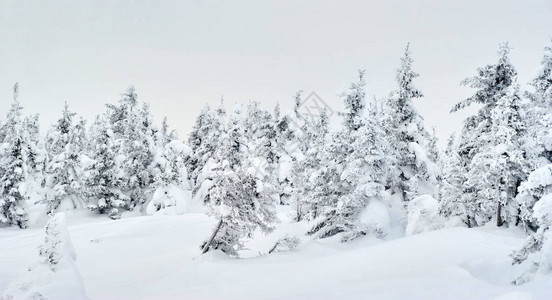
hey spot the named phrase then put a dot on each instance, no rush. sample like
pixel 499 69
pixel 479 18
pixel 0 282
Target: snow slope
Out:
pixel 157 257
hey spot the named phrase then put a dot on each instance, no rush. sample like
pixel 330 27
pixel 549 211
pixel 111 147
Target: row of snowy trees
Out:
pixel 380 168
pixel 490 168
pixel 381 156
pixel 119 162
pixel 382 159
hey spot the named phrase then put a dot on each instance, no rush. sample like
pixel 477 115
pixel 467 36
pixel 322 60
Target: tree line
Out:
pixel 242 164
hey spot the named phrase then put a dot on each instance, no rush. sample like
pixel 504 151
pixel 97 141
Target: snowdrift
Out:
pixel 157 257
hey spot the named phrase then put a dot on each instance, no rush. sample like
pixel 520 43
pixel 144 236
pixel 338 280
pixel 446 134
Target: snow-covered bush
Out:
pixel 423 215
pixel 539 243
pixel 537 185
pixel 285 243
pixel 172 189
pixel 168 200
pixel 57 242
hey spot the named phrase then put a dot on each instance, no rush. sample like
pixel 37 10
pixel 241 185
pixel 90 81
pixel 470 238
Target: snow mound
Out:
pixel 376 216
pixel 169 200
pixel 423 215
pixel 157 257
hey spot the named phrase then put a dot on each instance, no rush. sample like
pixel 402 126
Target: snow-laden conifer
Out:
pixel 490 147
pixel 104 178
pixel 15 171
pixel 65 143
pixel 355 165
pixel 415 173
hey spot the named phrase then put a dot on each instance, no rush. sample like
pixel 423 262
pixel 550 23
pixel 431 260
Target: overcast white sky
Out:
pixel 180 55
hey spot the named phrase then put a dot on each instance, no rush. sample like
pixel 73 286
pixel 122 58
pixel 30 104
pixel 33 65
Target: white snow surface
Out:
pixel 157 257
pixel 39 281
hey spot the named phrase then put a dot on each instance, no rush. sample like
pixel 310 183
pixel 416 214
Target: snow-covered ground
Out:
pixel 157 257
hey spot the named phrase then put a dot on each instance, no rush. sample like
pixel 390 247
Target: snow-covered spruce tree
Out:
pixel 498 169
pixel 240 209
pixel 364 180
pixel 296 135
pixel 481 151
pixel 454 203
pixel 290 145
pixel 165 135
pixel 13 178
pixel 303 196
pixel 539 108
pixel 103 178
pixel 228 156
pixel 35 154
pixel 325 187
pixel 432 149
pixel 196 139
pixel 140 159
pixel 414 172
pixel 237 198
pixel 233 145
pixel 539 116
pixel 300 126
pixel 171 184
pixel 134 140
pixel 261 134
pixel 536 192
pixel 354 105
pixel 211 153
pixel 64 145
pixel 14 173
pixel 204 139
pixel 282 160
pixel 358 158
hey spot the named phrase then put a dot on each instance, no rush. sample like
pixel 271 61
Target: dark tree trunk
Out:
pixel 298 219
pixel 499 221
pixel 518 217
pixel 208 243
pixel 274 247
